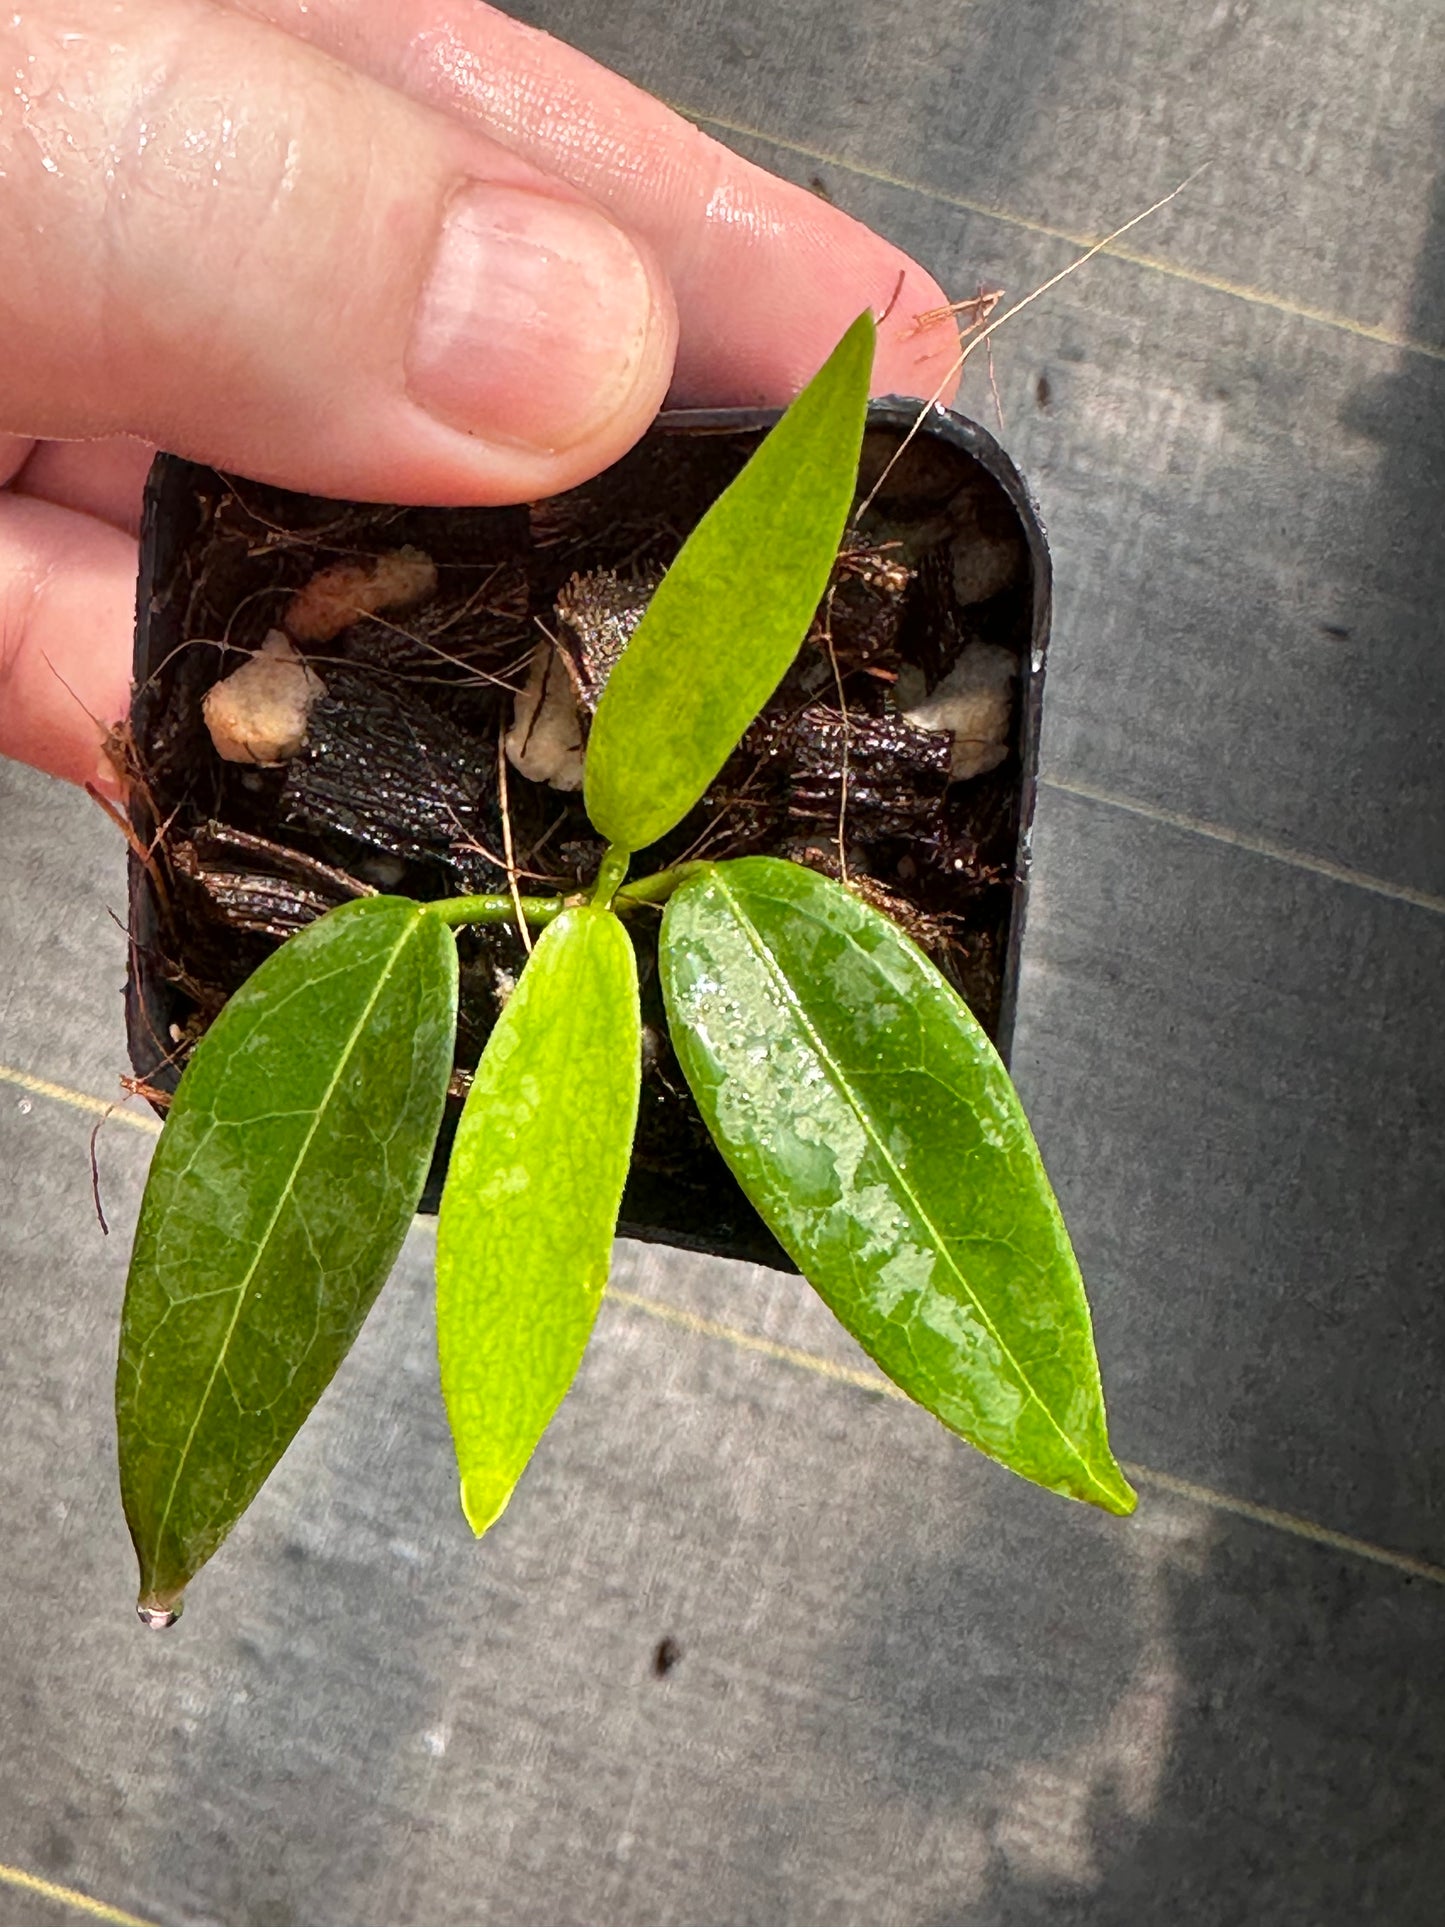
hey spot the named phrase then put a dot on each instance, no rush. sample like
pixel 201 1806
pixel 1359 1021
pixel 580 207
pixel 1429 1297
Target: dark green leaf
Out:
pixel 871 1123
pixel 289 1168
pixel 524 1241
pixel 731 612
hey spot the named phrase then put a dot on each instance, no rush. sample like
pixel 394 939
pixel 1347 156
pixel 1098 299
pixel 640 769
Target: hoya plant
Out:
pixel 859 1103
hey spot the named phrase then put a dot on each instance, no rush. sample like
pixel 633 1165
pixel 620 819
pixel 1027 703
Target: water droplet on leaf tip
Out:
pixel 158 1618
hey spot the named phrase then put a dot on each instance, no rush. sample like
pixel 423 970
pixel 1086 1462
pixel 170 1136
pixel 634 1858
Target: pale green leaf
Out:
pixel 524 1239
pixel 875 1130
pixel 732 611
pixel 290 1165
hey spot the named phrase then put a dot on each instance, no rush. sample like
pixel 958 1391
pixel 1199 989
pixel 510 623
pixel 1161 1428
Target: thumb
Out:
pixel 221 240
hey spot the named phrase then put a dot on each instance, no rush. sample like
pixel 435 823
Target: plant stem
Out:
pixel 541 910
pixel 609 877
pixel 659 886
pixel 459 910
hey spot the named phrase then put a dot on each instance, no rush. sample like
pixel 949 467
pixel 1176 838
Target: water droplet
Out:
pixel 158 1618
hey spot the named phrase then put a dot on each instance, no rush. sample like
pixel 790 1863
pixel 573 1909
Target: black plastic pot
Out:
pixel 949 461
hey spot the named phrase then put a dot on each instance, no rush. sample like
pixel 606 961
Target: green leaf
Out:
pixel 732 611
pixel 874 1128
pixel 524 1239
pixel 289 1168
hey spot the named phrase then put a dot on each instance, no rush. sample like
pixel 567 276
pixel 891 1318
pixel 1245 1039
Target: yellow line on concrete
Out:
pixel 1255 845
pixel 1267 1515
pixel 79 1100
pixel 746 1341
pixel 1152 263
pixel 1144 1475
pixel 31 1883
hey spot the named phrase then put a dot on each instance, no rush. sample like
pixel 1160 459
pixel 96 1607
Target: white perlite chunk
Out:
pixel 258 714
pixel 545 741
pixel 335 598
pixel 973 704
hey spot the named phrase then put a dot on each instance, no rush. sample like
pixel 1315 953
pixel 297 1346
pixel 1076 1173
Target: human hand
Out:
pixel 402 250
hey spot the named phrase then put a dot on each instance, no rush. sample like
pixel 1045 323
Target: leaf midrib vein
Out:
pixel 284 1194
pixel 769 964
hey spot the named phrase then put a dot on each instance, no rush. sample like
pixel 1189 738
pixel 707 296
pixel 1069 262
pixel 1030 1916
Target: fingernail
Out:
pixel 535 323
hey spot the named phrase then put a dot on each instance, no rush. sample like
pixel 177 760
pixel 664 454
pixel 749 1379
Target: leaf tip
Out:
pixel 864 329
pixel 1115 1494
pixel 484 1499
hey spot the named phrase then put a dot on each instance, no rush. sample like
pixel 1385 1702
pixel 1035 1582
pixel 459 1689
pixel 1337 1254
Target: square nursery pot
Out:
pixel 907 731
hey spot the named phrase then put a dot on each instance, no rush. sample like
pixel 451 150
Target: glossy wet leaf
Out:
pixel 877 1133
pixel 731 612
pixel 524 1239
pixel 290 1165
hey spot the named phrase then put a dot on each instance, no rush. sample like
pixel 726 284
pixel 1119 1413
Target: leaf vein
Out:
pixel 840 1085
pixel 284 1192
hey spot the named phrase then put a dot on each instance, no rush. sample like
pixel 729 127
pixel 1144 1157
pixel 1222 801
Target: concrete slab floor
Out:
pixel 910 1689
